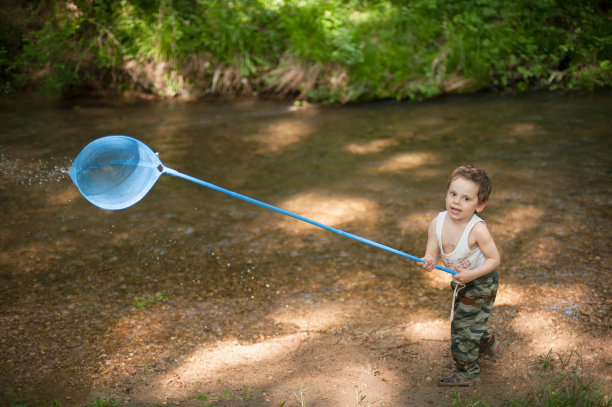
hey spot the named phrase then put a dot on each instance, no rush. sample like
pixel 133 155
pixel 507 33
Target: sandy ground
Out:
pixel 341 351
pixel 331 364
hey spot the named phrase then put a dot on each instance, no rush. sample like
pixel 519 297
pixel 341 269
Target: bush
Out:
pixel 324 50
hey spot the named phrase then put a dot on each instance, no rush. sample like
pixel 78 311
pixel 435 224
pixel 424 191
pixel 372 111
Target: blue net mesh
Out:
pixel 115 172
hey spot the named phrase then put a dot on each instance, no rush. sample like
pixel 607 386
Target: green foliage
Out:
pixel 210 402
pixel 460 401
pixel 325 50
pixel 140 304
pixel 243 395
pixel 559 383
pixel 104 402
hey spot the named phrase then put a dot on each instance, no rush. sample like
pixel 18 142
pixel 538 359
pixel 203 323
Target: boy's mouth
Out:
pixel 455 211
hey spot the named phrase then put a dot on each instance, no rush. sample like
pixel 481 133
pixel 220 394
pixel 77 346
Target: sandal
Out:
pixel 490 348
pixel 458 380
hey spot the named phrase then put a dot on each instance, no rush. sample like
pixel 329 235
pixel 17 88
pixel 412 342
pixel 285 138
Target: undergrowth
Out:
pixel 322 50
pixel 560 383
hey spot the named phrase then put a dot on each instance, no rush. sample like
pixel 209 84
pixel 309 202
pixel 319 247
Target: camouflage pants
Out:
pixel 473 305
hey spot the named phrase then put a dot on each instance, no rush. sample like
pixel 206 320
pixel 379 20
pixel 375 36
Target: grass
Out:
pixel 559 384
pixel 140 304
pixel 244 395
pixel 320 50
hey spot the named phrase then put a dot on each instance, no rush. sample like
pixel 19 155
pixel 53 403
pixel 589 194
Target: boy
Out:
pixel 465 244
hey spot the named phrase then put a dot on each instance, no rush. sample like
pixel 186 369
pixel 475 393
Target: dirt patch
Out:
pixel 315 351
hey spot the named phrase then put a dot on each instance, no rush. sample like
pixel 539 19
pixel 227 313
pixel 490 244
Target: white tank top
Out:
pixel 462 256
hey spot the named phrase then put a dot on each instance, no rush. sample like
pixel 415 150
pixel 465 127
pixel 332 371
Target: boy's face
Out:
pixel 462 199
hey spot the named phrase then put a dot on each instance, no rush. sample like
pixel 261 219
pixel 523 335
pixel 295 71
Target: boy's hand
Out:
pixel 429 263
pixel 464 276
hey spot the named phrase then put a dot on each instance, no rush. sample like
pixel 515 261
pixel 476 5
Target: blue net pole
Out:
pixel 175 173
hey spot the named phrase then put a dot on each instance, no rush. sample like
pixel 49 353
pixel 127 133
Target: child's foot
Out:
pixel 490 347
pixel 459 379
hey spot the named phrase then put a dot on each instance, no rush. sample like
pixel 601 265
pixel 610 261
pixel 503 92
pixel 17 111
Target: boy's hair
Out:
pixel 477 175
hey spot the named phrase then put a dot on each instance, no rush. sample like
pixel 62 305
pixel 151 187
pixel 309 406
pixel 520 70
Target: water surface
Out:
pixel 212 267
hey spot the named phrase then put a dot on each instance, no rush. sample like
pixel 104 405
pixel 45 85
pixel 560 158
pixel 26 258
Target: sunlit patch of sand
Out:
pixel 427 121
pixel 416 222
pixel 278 361
pixel 310 318
pixel 525 223
pixel 328 210
pixel 542 331
pixel 523 129
pixel 406 161
pixel 374 146
pixel 548 326
pixel 346 383
pixel 280 135
pixel 432 330
pixel 509 295
pixel 438 279
pixel 440 173
pixel 544 249
pixel 209 361
pixel 528 229
pixel 517 220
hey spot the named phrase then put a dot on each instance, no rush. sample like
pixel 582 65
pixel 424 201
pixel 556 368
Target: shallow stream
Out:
pixel 81 283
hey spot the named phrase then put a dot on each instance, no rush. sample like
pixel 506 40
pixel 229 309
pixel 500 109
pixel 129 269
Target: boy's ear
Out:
pixel 481 206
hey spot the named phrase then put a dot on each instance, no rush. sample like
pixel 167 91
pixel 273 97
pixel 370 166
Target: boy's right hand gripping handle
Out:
pixel 453 272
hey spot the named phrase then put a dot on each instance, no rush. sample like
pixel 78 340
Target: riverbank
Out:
pixel 320 51
pixel 323 351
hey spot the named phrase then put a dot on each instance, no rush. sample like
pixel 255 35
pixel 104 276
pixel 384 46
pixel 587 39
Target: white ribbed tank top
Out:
pixel 461 256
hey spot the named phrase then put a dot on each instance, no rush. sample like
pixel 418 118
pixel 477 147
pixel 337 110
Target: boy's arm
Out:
pixel 484 240
pixel 431 250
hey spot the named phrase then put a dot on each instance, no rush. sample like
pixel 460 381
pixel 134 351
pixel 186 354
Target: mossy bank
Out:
pixel 319 50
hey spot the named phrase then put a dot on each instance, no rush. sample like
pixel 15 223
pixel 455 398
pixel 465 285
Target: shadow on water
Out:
pixel 92 298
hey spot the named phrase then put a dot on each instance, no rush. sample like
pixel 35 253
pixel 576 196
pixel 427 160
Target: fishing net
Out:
pixel 115 172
